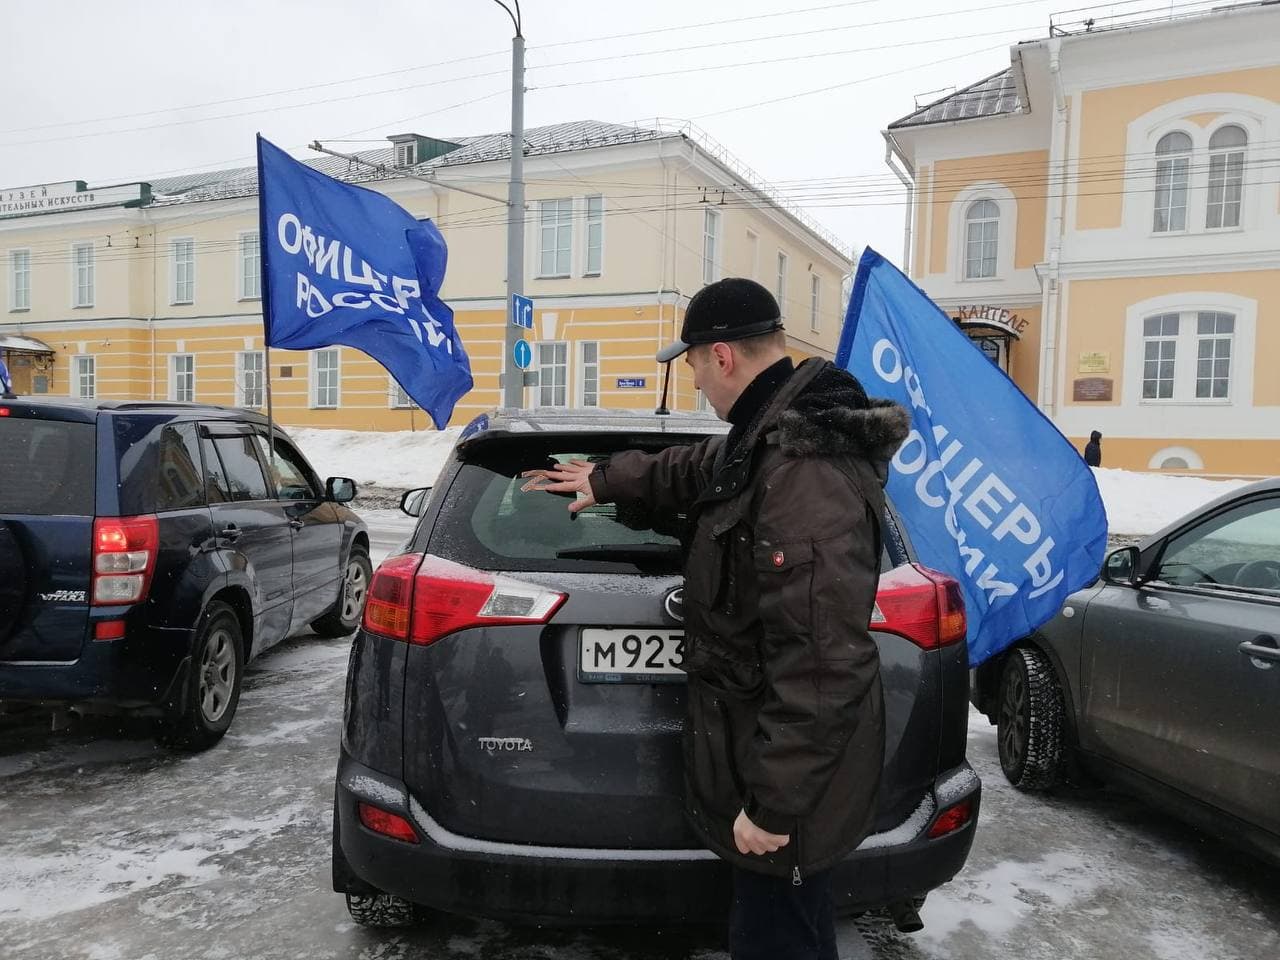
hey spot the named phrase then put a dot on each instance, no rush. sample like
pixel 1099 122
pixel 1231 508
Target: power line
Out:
pixel 805 193
pixel 254 96
pixel 705 68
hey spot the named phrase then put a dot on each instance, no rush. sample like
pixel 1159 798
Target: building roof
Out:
pixel 992 97
pixel 539 141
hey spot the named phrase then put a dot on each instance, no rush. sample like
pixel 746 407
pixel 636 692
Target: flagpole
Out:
pixel 271 419
pixel 264 282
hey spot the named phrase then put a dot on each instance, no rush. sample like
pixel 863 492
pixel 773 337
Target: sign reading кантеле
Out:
pixel 982 316
pixel 69 195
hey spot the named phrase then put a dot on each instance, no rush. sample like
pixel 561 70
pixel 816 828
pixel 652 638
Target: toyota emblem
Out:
pixel 675 604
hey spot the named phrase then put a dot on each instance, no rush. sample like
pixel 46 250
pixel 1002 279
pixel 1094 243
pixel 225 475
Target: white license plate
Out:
pixel 630 656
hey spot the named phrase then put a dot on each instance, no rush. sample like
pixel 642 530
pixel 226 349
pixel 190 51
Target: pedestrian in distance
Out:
pixel 784 736
pixel 1093 450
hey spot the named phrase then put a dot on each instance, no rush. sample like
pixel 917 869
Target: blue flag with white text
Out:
pixel 6 383
pixel 342 264
pixel 990 491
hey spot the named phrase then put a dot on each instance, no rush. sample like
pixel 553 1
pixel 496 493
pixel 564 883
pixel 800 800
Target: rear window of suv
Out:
pixel 486 521
pixel 47 467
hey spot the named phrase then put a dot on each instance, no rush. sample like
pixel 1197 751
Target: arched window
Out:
pixel 982 239
pixel 1173 158
pixel 1226 176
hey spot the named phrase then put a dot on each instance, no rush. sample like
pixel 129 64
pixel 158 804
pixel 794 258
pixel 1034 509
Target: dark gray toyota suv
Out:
pixel 514 707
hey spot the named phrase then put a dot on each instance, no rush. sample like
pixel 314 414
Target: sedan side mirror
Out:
pixel 413 502
pixel 340 489
pixel 1122 567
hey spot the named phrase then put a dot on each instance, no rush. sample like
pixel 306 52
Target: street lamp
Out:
pixel 513 381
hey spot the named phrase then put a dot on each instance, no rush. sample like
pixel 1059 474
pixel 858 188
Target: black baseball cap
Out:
pixel 730 309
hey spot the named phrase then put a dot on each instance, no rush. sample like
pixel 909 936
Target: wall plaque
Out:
pixel 1091 388
pixel 1097 362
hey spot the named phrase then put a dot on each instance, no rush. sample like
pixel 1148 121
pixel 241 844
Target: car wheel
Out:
pixel 381 910
pixel 217 673
pixel 1029 721
pixel 344 617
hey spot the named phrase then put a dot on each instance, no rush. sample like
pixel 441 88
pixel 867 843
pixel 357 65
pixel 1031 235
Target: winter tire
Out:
pixel 344 618
pixel 1030 721
pixel 217 673
pixel 381 910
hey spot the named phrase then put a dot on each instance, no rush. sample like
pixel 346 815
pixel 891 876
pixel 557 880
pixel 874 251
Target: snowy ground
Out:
pixel 1137 503
pixel 115 849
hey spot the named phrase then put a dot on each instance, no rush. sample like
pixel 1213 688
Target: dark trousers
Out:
pixel 772 919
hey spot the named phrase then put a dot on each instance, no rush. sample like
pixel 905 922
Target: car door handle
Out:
pixel 230 532
pixel 1261 648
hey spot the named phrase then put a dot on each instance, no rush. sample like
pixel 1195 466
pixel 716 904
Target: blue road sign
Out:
pixel 521 311
pixel 631 383
pixel 523 354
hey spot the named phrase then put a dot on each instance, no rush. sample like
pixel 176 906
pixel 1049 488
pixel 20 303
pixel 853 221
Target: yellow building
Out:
pixel 152 290
pixel 1103 217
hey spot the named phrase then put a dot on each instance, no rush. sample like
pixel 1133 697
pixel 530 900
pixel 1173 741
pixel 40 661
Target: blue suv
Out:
pixel 149 550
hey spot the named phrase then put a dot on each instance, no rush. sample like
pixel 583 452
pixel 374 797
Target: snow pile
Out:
pixel 1137 503
pixel 1142 503
pixel 403 459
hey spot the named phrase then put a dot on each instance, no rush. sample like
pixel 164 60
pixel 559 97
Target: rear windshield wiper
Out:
pixel 637 553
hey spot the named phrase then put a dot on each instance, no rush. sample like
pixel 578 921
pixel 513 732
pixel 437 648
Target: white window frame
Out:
pixel 1172 160
pixel 1217 339
pixel 175 376
pixel 1240 391
pixel 588 223
pixel 314 385
pixel 1161 338
pixel 398 397
pixel 176 293
pixel 79 362
pixel 537 353
pixel 81 246
pixel 712 242
pixel 957 234
pixel 780 290
pixel 1225 155
pixel 815 303
pixel 561 226
pixel 242 391
pixel 581 377
pixel 753 254
pixel 17 304
pixel 984 243
pixel 406 153
pixel 1257 116
pixel 243 290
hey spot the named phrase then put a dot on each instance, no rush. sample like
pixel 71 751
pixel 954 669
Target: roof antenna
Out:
pixel 662 410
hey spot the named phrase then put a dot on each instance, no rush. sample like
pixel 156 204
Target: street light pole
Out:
pixel 513 380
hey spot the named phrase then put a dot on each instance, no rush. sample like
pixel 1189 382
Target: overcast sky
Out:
pixel 103 92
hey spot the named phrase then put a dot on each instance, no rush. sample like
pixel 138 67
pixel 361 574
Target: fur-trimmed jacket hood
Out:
pixel 833 416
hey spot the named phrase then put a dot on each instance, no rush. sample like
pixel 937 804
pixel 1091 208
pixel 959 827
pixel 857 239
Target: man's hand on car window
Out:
pixel 572 477
pixel 751 839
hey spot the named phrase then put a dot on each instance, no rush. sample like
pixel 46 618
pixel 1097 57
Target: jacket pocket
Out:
pixel 710 764
pixel 784 580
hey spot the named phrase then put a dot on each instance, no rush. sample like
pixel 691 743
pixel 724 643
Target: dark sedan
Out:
pixel 1163 677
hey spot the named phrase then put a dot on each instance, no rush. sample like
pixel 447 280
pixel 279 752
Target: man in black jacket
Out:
pixel 784 740
pixel 1093 450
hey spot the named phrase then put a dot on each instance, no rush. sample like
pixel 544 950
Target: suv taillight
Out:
pixel 923 605
pixel 424 598
pixel 124 558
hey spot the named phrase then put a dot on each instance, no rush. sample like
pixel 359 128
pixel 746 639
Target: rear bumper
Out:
pixel 482 878
pixel 146 669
